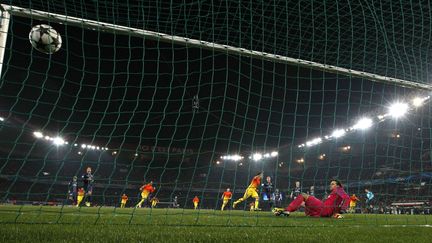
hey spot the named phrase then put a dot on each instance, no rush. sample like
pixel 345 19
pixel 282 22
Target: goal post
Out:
pixel 4 26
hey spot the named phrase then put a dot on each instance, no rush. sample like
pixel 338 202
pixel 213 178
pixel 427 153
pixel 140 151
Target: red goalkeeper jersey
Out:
pixel 337 200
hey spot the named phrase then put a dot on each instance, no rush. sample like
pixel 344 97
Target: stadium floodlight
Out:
pixel 1 118
pixel 236 157
pixel 75 145
pixel 338 133
pixel 398 109
pixel 274 154
pixel 267 155
pixel 98 148
pixel 58 141
pixel 217 162
pixel 363 123
pixel 322 157
pixel 417 101
pixel 257 156
pixel 314 142
pixel 38 134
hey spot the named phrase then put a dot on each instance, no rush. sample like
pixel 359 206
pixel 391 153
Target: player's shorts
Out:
pixel 88 189
pixel 352 205
pixel 195 204
pixel 80 198
pixel 314 207
pixel 251 192
pixel 225 200
pixel 144 194
pixel 123 201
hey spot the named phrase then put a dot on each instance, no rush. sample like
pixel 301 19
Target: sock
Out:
pixel 256 202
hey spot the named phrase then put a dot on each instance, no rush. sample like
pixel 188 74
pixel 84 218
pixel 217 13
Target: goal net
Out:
pixel 200 97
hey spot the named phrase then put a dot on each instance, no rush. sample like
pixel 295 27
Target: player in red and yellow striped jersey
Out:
pixel 353 203
pixel 252 191
pixel 124 199
pixel 145 192
pixel 80 196
pixel 195 201
pixel 226 196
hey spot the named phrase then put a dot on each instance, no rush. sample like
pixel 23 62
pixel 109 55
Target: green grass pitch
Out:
pixel 105 224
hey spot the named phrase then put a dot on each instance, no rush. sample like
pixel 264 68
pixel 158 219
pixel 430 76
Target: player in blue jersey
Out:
pixel 297 190
pixel 73 190
pixel 88 181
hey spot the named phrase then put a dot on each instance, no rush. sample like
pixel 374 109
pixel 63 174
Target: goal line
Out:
pixel 158 36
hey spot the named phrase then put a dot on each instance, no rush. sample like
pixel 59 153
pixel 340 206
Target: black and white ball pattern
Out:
pixel 45 39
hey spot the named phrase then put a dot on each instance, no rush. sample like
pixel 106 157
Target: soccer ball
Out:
pixel 45 39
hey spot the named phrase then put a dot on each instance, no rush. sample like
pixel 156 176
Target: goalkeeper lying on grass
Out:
pixel 336 203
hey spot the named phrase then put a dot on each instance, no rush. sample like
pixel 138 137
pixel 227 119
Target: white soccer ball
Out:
pixel 45 39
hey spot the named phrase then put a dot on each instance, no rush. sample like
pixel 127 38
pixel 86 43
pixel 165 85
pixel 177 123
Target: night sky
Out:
pixel 124 92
